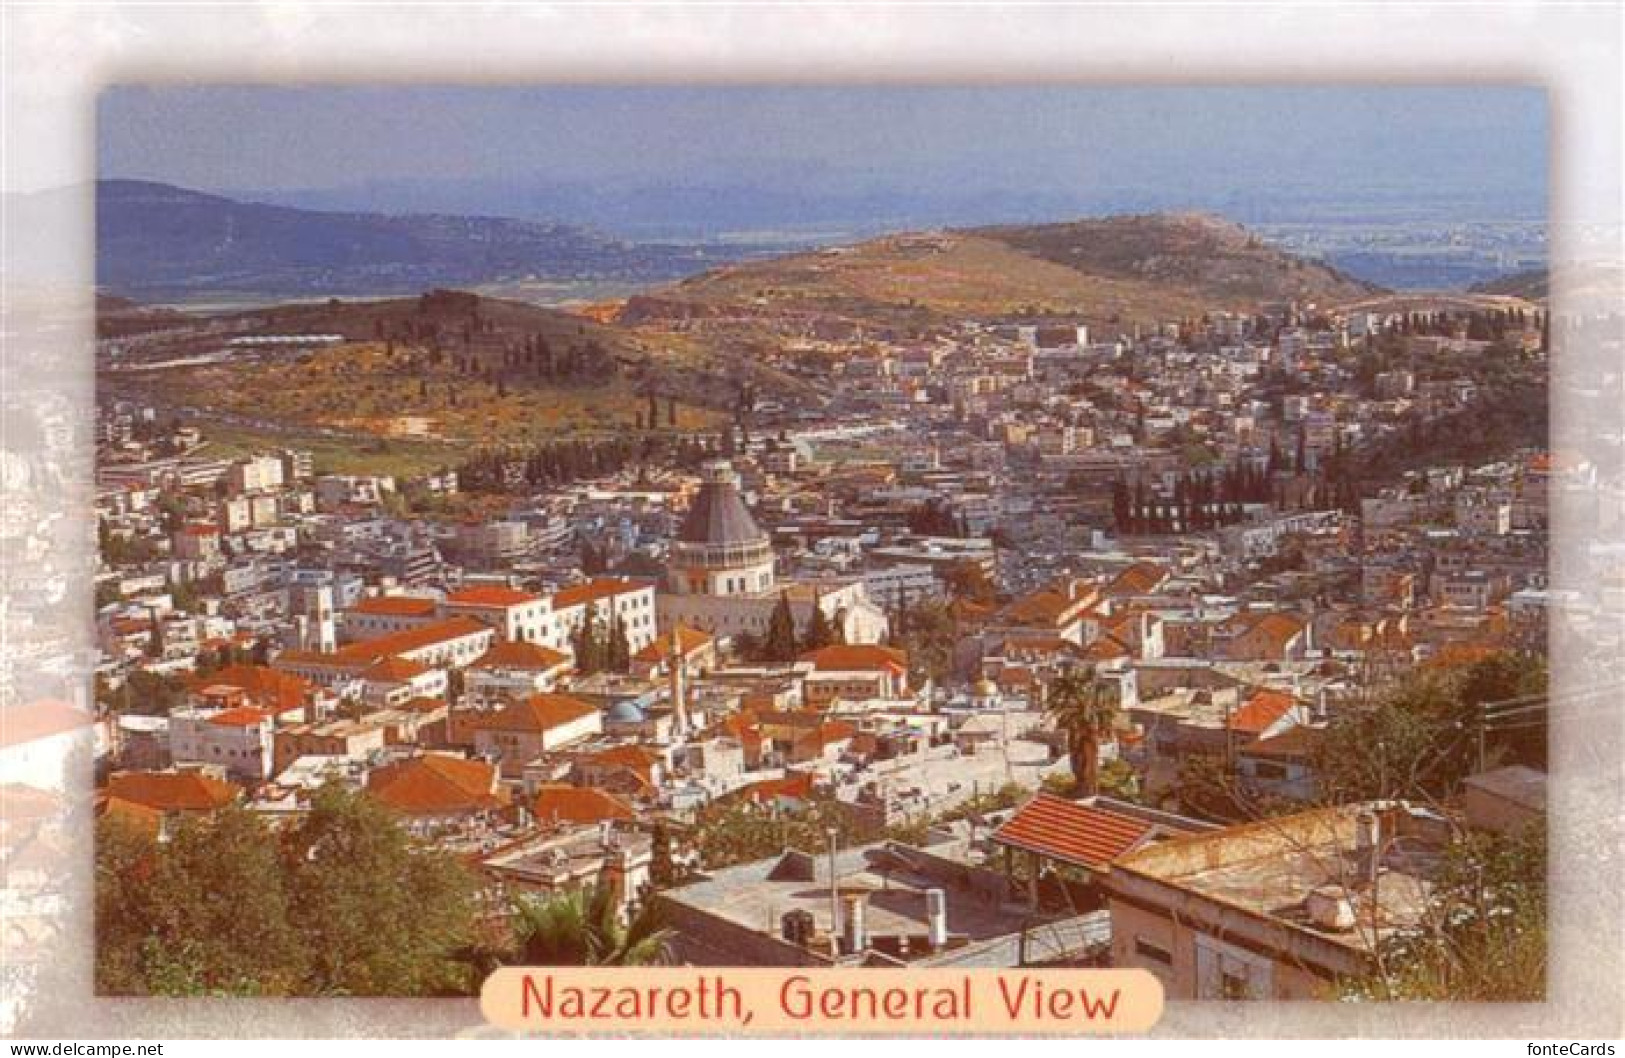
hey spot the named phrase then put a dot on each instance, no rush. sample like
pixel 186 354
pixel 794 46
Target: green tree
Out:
pixel 380 915
pixel 206 913
pixel 585 928
pixel 618 650
pixel 780 644
pixel 819 632
pixel 1422 737
pixel 588 645
pixel 1484 938
pixel 1084 707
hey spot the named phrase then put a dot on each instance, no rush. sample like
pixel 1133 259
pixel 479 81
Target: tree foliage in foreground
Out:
pixel 586 928
pixel 1485 938
pixel 344 902
pixel 1421 739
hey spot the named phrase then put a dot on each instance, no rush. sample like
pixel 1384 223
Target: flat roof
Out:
pixel 896 878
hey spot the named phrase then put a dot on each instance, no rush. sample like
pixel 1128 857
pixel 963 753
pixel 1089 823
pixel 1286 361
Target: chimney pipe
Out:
pixel 936 916
pixel 855 931
pixel 834 886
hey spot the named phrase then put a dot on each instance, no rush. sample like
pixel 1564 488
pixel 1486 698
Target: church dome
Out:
pixel 718 516
pixel 625 713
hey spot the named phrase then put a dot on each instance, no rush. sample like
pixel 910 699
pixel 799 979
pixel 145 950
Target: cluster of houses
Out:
pixel 865 606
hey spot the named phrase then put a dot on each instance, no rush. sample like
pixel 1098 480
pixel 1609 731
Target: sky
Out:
pixel 971 153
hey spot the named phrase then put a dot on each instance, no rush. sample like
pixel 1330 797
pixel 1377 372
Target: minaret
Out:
pixel 675 666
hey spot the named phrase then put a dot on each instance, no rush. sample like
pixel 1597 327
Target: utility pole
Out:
pixel 834 836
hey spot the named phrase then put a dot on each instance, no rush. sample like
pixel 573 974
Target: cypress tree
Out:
pixel 819 632
pixel 781 632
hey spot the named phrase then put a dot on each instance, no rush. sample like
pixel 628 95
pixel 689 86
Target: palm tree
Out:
pixel 584 928
pixel 1085 707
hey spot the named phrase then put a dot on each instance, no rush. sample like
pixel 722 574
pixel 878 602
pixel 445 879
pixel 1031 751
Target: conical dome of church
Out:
pixel 718 514
pixel 720 550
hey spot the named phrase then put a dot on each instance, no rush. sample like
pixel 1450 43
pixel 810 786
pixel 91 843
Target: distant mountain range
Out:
pixel 156 241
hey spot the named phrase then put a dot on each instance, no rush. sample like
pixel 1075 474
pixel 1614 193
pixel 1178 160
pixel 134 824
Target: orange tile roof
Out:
pixel 1071 832
pixel 537 713
pixel 1260 711
pixel 393 670
pixel 437 785
pixel 688 640
pixel 242 716
pixel 1276 627
pixel 490 596
pixel 37 720
pixel 1041 607
pixel 594 590
pixel 1107 648
pixel 181 791
pixel 400 642
pixel 395 606
pixel 633 758
pixel 563 803
pixel 267 686
pixel 1137 579
pixel 857 657
pixel 797 786
pixel 509 654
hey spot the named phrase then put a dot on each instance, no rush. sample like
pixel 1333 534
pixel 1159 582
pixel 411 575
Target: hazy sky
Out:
pixel 1194 145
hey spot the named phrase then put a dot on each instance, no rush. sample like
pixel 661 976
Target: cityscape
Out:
pixel 1136 590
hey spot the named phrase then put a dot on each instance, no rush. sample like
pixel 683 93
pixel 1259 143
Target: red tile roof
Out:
pixel 1137 579
pixel 355 655
pixel 688 640
pixel 562 803
pixel 393 670
pixel 490 596
pixel 437 785
pixel 1262 710
pixel 634 758
pixel 1074 833
pixel 855 658
pixel 1107 648
pixel 396 606
pixel 594 590
pixel 242 716
pixel 508 654
pixel 180 791
pixel 797 787
pixel 537 713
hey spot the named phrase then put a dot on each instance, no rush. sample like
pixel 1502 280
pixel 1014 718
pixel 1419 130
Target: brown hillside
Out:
pixel 1116 271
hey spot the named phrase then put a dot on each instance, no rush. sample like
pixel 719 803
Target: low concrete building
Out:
pixel 1279 909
